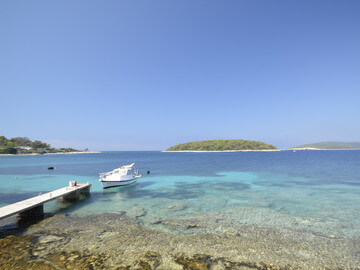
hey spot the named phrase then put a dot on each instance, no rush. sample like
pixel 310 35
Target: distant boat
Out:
pixel 122 176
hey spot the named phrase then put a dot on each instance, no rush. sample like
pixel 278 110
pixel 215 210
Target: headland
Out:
pixel 24 146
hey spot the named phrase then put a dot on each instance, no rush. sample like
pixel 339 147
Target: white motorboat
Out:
pixel 122 176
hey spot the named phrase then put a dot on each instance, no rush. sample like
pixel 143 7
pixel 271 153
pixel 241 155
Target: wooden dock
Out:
pixel 35 205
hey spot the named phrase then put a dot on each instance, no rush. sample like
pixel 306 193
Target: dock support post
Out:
pixel 73 196
pixel 85 191
pixel 36 211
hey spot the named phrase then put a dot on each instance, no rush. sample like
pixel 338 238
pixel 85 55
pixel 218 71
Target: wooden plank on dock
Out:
pixel 24 205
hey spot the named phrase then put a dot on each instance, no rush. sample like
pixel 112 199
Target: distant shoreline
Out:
pixel 223 151
pixel 58 153
pixel 316 149
pixel 267 150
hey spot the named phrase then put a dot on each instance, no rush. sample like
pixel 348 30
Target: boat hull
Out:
pixel 111 184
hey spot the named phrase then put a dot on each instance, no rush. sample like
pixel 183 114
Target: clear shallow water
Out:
pixel 317 191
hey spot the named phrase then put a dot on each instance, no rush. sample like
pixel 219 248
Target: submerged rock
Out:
pixel 177 207
pixel 198 262
pixel 206 262
pixel 76 260
pixel 182 223
pixel 136 212
pixel 49 238
pixel 15 251
pixel 155 220
pixel 151 260
pixel 114 241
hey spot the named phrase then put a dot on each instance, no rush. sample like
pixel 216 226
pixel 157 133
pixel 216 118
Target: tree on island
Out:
pixel 222 145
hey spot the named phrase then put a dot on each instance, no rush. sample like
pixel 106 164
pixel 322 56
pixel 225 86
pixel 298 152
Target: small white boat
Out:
pixel 122 176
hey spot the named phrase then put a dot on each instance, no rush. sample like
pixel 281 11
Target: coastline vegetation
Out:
pixel 332 145
pixel 23 145
pixel 222 145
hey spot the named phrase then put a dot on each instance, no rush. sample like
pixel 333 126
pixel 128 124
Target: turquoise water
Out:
pixel 306 190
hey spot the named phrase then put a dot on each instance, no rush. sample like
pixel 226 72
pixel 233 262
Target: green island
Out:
pixel 222 145
pixel 23 145
pixel 330 146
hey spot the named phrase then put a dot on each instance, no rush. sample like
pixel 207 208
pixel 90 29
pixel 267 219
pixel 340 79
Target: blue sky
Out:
pixel 145 75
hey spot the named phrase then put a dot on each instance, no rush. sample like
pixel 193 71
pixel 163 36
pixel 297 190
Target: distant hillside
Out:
pixel 222 145
pixel 23 145
pixel 332 145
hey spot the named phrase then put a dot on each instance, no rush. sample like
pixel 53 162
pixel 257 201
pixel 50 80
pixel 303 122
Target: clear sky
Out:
pixel 145 75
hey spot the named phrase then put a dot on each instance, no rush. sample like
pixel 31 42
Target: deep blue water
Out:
pixel 314 190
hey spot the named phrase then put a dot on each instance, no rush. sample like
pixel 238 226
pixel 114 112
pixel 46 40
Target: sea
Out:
pixel 317 192
pixel 318 186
